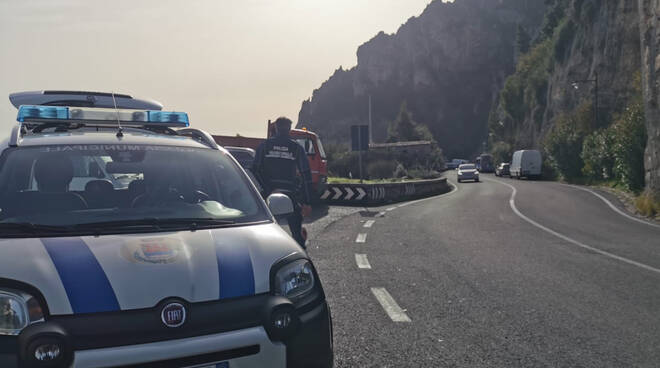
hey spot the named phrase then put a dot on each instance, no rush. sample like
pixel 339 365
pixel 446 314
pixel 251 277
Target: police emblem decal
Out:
pixel 173 315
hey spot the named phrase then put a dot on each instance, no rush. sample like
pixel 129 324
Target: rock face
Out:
pixel 448 64
pixel 649 24
pixel 594 37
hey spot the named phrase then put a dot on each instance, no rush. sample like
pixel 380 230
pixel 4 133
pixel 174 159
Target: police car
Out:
pixel 128 239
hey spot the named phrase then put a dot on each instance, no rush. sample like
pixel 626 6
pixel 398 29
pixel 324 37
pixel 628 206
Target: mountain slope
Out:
pixel 448 64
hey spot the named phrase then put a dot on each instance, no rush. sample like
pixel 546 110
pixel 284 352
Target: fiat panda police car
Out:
pixel 129 239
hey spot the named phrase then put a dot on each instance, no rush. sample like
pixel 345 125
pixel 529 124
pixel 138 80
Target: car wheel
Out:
pixel 476 180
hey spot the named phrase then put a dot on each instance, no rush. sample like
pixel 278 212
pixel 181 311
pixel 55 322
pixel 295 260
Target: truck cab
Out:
pixel 318 162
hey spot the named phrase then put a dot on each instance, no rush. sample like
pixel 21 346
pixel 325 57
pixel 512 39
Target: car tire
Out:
pixel 476 180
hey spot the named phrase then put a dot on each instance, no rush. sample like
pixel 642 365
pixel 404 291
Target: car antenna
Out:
pixel 119 131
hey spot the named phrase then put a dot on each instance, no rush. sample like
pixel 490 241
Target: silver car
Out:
pixel 467 172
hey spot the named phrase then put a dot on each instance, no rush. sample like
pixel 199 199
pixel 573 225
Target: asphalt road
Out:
pixel 462 280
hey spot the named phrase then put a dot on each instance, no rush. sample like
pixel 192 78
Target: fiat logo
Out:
pixel 173 315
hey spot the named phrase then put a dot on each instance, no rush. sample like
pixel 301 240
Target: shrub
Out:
pixel 647 205
pixel 629 131
pixel 564 143
pixel 400 171
pixel 597 155
pixel 381 169
pixel 501 152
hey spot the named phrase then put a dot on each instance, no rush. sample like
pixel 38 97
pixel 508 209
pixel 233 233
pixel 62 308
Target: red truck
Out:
pixel 308 140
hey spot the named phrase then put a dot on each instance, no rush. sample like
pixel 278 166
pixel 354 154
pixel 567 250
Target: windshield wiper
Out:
pixel 31 228
pixel 157 223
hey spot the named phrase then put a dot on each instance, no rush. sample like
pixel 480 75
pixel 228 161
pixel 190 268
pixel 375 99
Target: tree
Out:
pixel 404 128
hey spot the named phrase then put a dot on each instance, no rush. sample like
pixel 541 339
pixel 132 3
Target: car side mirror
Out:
pixel 279 204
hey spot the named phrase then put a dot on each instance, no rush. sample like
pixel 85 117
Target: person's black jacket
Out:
pixel 277 163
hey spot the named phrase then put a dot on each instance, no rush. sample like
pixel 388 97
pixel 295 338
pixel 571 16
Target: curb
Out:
pixel 378 194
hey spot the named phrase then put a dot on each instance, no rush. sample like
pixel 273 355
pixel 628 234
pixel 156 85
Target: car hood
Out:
pixel 123 272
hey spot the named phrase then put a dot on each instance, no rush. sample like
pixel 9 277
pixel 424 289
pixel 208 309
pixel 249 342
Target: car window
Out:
pixel 466 167
pixel 72 185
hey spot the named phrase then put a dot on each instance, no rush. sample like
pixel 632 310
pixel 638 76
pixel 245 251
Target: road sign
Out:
pixel 359 137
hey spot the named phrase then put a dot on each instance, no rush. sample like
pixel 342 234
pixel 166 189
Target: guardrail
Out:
pixel 376 194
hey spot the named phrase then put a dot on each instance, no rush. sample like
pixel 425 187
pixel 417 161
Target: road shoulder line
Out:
pixel 512 203
pixel 613 207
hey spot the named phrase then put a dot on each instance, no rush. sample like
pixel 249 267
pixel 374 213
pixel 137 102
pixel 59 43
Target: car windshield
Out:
pixel 466 167
pixel 103 184
pixel 307 144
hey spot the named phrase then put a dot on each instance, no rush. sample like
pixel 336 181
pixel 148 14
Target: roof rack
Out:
pixel 200 136
pixel 82 99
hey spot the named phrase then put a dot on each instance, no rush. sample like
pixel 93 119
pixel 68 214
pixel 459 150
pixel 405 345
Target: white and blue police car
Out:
pixel 128 239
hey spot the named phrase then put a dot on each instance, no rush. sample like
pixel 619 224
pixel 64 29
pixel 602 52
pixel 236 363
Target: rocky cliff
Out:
pixel 649 13
pixel 589 40
pixel 448 64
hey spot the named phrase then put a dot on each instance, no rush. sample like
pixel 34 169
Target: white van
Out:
pixel 526 163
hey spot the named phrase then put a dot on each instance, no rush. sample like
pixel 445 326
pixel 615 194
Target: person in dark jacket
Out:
pixel 278 162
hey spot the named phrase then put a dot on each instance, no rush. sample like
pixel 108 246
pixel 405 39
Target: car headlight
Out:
pixel 294 280
pixel 476 173
pixel 17 311
pixel 460 173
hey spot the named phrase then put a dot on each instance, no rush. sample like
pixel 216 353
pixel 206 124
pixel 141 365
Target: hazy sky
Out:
pixel 231 64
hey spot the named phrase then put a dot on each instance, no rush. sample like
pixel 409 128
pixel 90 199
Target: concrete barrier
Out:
pixel 377 194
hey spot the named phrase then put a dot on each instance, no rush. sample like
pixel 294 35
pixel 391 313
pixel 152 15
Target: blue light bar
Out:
pixel 168 117
pixel 96 116
pixel 27 112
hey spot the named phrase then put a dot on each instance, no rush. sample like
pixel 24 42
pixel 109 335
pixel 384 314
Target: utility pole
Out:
pixel 576 85
pixel 370 134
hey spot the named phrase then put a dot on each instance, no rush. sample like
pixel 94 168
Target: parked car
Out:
pixel 526 163
pixel 454 163
pixel 484 163
pixel 503 169
pixel 467 172
pixel 244 156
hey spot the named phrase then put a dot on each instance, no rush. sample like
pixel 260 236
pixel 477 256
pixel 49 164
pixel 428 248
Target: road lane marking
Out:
pixel 362 261
pixel 390 306
pixel 512 203
pixel 613 207
pixel 380 214
pixel 361 238
pixel 390 209
pixel 369 223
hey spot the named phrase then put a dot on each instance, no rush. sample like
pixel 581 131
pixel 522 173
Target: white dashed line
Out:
pixel 369 223
pixel 389 304
pixel 613 207
pixel 390 209
pixel 361 238
pixel 362 261
pixel 380 214
pixel 512 203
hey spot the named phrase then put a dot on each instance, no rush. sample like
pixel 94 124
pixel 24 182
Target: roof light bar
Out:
pixel 95 116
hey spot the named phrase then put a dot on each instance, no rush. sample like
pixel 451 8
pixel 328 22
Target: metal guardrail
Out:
pixel 375 194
